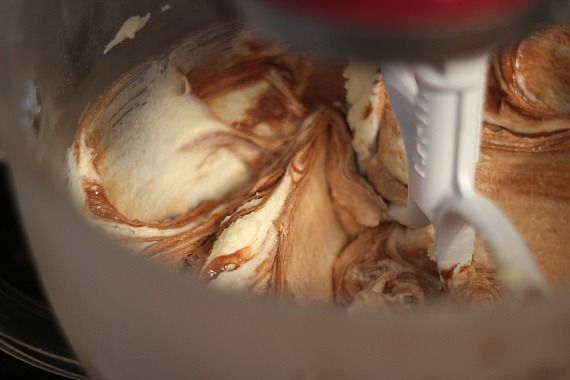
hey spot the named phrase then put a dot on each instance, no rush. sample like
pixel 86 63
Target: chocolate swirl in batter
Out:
pixel 239 164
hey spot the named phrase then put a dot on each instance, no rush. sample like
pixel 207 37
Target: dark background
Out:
pixel 11 368
pixel 16 269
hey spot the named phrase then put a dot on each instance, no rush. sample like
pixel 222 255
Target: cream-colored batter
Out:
pixel 257 170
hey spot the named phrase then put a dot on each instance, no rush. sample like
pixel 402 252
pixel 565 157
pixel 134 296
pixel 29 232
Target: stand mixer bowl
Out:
pixel 129 318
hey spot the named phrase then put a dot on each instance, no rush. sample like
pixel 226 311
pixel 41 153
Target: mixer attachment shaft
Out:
pixel 438 107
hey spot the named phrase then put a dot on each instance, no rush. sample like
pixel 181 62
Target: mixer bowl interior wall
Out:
pixel 57 64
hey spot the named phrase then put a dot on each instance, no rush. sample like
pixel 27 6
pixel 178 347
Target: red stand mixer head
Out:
pixel 408 14
pixel 402 29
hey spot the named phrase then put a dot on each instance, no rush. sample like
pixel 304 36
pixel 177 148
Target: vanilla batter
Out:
pixel 254 168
